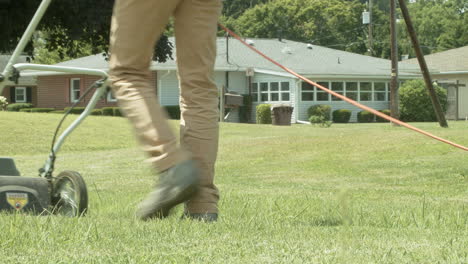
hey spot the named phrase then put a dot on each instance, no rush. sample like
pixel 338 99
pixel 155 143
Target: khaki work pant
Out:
pixel 136 26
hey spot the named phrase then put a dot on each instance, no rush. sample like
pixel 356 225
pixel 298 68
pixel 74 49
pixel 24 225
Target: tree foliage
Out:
pixel 440 24
pixel 415 103
pixel 335 23
pixel 67 21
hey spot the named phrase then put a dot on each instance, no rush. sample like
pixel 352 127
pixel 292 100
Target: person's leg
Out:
pixel 195 30
pixel 136 25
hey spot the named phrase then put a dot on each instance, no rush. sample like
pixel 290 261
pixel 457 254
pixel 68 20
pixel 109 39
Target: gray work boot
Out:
pixel 176 185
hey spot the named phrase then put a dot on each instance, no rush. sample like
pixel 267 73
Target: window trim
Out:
pixel 268 92
pixel 72 90
pixel 308 92
pixel 25 96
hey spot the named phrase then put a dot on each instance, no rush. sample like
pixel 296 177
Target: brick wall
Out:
pixel 54 91
pixel 33 95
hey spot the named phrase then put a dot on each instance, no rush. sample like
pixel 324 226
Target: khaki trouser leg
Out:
pixel 136 25
pixel 195 29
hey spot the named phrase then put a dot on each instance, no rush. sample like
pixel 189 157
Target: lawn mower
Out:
pixel 66 193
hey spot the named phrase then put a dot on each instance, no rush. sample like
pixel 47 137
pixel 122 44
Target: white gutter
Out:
pixel 452 72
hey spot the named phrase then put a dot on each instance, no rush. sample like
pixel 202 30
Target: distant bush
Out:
pixel 96 112
pixel 173 111
pixel 75 110
pixel 380 119
pixel 415 103
pixel 263 113
pixel 57 112
pixel 117 111
pixel 319 120
pixel 3 103
pixel 41 110
pixel 341 116
pixel 27 110
pixel 365 117
pixel 320 110
pixel 16 107
pixel 107 111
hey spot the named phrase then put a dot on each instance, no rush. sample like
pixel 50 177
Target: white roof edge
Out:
pixel 30 73
pixel 357 76
pixel 451 72
pixel 284 74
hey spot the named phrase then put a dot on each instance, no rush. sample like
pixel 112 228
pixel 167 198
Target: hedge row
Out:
pixel 173 111
pixel 322 112
pixel 18 106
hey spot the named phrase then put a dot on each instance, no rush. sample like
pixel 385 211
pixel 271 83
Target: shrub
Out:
pixel 365 117
pixel 41 110
pixel 415 103
pixel 320 120
pixel 116 111
pixel 75 110
pixel 16 107
pixel 96 112
pixel 173 111
pixel 319 110
pixel 27 110
pixel 246 109
pixel 379 119
pixel 57 112
pixel 3 103
pixel 263 113
pixel 107 111
pixel 341 116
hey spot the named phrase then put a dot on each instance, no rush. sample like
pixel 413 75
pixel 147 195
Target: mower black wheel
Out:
pixel 69 194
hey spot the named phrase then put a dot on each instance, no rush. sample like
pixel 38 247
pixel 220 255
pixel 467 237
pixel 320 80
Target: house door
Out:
pixel 452 102
pixel 452 99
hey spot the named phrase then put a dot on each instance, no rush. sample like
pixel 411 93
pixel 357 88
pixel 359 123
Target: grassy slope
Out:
pixel 360 193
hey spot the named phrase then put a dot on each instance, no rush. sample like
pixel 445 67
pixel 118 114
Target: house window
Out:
pixel 263 91
pixel 380 91
pixel 20 95
pixel 321 94
pixel 255 92
pixel 307 91
pixel 337 87
pixel 274 91
pixel 74 89
pixel 284 91
pixel 365 91
pixel 352 90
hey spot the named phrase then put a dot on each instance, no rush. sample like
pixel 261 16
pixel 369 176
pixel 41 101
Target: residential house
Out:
pixel 25 91
pixel 450 70
pixel 238 69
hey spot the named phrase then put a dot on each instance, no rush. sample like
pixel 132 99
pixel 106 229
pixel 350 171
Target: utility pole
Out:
pixel 394 101
pixel 422 64
pixel 371 30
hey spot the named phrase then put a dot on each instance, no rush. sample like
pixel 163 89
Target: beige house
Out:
pixel 450 70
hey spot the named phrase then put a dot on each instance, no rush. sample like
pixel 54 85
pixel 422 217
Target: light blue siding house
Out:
pixel 362 78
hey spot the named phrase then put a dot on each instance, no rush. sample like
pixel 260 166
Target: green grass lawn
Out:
pixel 352 193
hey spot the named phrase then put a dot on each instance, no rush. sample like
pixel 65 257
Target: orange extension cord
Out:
pixel 344 98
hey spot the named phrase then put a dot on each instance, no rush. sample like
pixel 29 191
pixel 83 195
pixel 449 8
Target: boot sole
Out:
pixel 173 198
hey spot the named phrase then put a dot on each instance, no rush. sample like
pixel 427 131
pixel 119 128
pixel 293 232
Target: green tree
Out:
pixel 333 23
pixel 415 103
pixel 67 21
